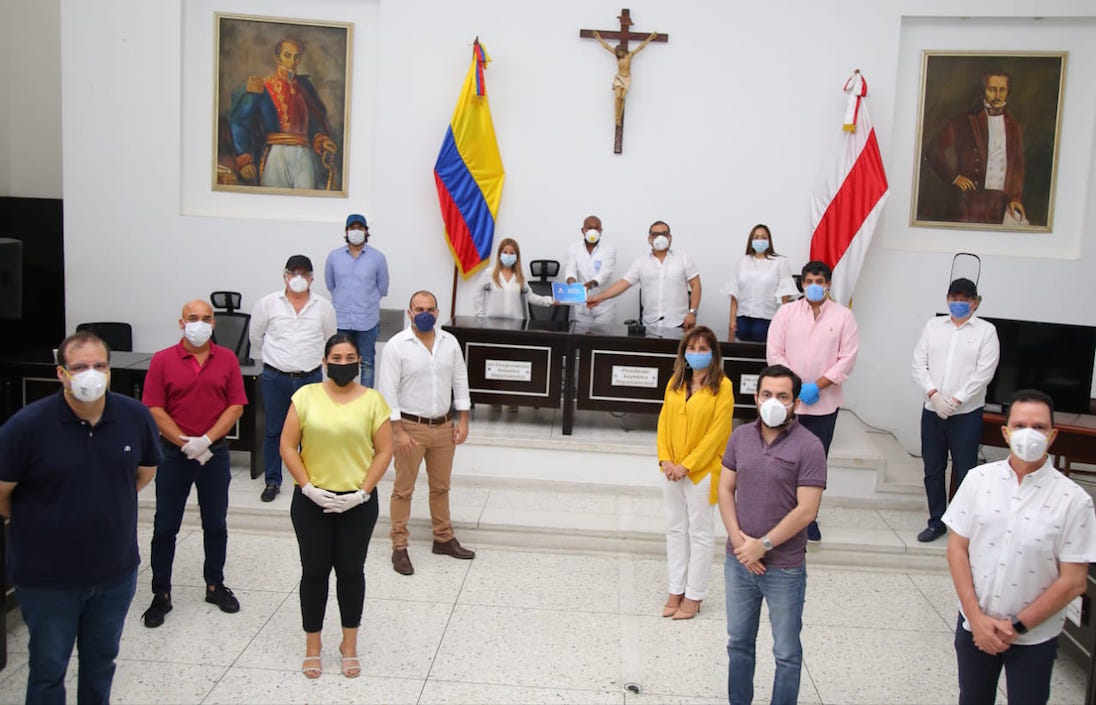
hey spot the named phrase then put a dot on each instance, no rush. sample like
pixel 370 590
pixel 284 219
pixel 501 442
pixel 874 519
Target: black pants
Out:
pixel 1027 671
pixel 327 541
pixel 821 426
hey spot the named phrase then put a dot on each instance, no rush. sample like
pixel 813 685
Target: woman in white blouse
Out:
pixel 759 284
pixel 502 291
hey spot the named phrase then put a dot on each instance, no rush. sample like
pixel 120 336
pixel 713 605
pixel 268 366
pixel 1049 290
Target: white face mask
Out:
pixel 355 237
pixel 592 236
pixel 197 333
pixel 661 243
pixel 773 413
pixel 298 284
pixel 1027 444
pixel 89 385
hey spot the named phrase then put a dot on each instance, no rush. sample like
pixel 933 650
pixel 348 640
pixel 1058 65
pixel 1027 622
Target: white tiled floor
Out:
pixel 522 627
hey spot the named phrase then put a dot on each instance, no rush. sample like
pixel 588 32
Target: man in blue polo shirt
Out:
pixel 774 472
pixel 71 466
pixel 357 277
pixel 195 392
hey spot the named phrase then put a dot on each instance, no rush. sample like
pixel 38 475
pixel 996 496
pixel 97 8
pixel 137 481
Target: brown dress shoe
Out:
pixel 672 603
pixel 401 562
pixel 453 548
pixel 687 609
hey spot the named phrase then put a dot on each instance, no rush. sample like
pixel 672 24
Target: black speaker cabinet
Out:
pixel 11 278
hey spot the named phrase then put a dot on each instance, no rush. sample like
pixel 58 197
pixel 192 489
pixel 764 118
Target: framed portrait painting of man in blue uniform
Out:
pixel 282 106
pixel 987 140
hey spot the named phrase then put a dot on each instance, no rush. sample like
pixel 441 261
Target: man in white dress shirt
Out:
pixel 1022 536
pixel 591 262
pixel 669 283
pixel 953 364
pixel 422 375
pixel 288 331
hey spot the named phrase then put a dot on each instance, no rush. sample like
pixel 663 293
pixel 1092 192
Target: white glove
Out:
pixel 347 501
pixel 943 407
pixel 195 445
pixel 205 457
pixel 323 498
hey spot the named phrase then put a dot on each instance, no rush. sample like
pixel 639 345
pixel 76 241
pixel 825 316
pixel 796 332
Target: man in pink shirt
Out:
pixel 817 338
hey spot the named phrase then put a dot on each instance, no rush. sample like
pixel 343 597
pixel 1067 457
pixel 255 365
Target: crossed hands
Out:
pixel 749 552
pixel 991 635
pixel 197 448
pixel 334 503
pixel 673 471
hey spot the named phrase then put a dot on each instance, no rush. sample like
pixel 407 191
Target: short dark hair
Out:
pixel 1006 74
pixel 781 371
pixel 339 339
pixel 963 286
pixel 658 222
pixel 76 340
pixel 1035 395
pixel 292 40
pixel 817 267
pixel 419 293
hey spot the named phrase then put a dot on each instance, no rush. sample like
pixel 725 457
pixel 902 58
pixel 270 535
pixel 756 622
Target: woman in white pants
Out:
pixel 693 428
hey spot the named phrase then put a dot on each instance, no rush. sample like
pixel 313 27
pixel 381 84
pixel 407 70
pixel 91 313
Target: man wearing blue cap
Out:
pixel 357 277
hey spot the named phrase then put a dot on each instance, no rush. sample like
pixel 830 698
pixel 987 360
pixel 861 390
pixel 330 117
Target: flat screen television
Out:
pixel 1056 358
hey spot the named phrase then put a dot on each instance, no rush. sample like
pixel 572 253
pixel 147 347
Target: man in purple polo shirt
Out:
pixel 195 392
pixel 774 472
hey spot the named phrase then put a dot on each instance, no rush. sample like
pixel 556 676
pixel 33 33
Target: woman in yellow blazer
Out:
pixel 693 428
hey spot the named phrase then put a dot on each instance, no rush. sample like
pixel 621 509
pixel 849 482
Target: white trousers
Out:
pixel 289 166
pixel 689 518
pixel 604 312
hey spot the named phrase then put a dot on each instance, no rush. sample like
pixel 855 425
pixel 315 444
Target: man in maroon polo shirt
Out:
pixel 195 392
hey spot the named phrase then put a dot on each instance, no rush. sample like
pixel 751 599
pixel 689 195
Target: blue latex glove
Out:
pixel 809 393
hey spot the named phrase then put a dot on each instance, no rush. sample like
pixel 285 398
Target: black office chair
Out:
pixel 542 270
pixel 118 336
pixel 232 326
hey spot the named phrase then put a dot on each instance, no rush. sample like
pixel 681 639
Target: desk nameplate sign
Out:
pixel 508 370
pixel 633 376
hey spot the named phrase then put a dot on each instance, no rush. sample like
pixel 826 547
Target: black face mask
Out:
pixel 343 375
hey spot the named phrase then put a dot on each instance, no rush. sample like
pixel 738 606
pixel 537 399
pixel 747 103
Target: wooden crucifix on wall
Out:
pixel 623 79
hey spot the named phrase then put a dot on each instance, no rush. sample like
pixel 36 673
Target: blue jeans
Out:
pixel 1027 671
pixel 91 617
pixel 367 346
pixel 784 590
pixel 959 434
pixel 278 392
pixel 174 478
pixel 752 330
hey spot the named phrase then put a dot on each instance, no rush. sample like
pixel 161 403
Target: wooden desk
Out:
pixel 1076 441
pixel 522 363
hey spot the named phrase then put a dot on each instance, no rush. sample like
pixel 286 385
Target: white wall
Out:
pixel 30 111
pixel 727 125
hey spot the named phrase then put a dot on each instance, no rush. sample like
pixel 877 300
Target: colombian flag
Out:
pixel 469 172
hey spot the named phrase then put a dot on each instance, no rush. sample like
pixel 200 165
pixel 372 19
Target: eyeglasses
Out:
pixel 78 367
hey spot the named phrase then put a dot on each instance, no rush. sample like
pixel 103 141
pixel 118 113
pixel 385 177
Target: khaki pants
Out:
pixel 435 445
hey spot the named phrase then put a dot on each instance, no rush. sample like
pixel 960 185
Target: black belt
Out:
pixel 276 371
pixel 425 421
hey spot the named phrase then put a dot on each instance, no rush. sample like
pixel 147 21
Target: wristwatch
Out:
pixel 1019 627
pixel 692 311
pixel 769 545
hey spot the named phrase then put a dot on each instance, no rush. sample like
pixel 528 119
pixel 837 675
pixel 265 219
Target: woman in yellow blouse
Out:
pixel 336 443
pixel 693 428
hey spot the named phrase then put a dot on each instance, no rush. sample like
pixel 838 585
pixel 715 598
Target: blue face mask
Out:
pixel 425 321
pixel 959 309
pixel 508 260
pixel 815 292
pixel 760 246
pixel 698 360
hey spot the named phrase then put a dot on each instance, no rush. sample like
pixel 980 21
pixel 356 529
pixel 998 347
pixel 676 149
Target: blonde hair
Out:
pixel 683 372
pixel 517 263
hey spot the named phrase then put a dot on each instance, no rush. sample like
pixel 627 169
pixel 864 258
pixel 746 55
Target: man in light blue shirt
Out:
pixel 357 277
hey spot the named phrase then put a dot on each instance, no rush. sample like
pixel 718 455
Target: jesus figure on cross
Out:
pixel 623 79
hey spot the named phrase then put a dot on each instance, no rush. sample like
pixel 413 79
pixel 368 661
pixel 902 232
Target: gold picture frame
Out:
pixel 281 111
pixel 957 182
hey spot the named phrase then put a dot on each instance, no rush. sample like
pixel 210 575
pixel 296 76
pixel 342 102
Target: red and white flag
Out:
pixel 846 205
